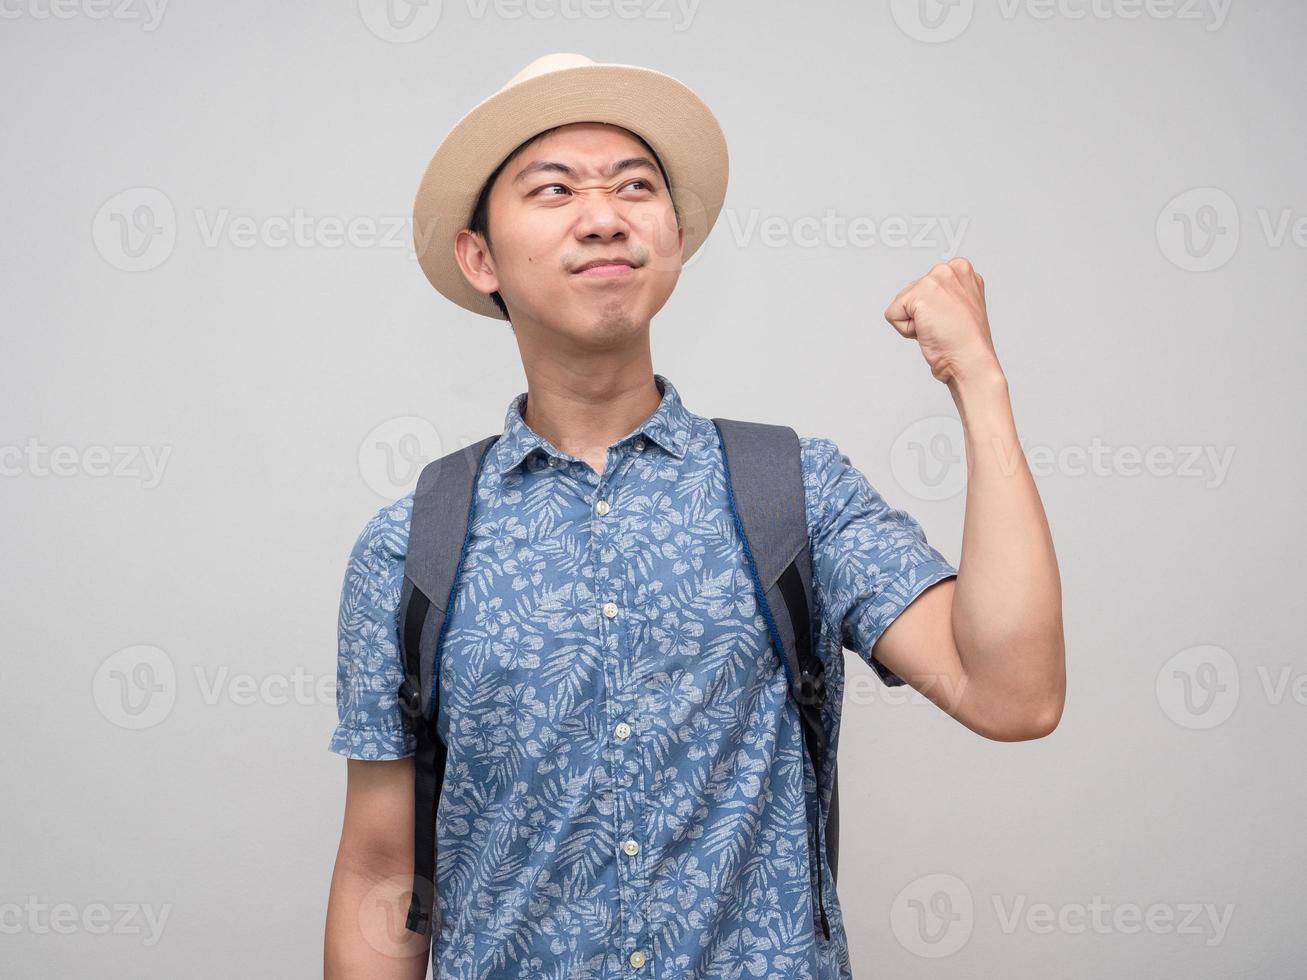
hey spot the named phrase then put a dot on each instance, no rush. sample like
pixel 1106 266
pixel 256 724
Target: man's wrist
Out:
pixel 977 379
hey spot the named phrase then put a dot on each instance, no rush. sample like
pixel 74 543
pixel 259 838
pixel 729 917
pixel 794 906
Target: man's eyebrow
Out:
pixel 613 169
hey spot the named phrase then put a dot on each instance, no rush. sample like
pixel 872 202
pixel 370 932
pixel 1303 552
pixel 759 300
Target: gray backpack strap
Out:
pixel 764 486
pixel 443 509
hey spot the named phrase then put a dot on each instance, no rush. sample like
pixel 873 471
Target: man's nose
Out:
pixel 601 217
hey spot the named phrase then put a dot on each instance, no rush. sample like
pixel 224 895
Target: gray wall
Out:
pixel 190 425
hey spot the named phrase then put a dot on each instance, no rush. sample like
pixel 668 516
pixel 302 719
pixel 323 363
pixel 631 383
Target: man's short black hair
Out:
pixel 480 220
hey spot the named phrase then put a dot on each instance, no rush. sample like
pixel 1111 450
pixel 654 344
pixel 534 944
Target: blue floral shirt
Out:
pixel 624 792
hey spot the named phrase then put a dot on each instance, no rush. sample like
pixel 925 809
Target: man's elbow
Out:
pixel 1025 719
pixel 1036 710
pixel 1043 722
pixel 1021 727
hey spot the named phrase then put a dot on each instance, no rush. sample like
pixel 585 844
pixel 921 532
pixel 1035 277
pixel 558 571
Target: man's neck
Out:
pixel 585 413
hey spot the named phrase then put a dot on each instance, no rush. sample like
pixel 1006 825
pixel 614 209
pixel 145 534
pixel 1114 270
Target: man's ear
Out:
pixel 472 253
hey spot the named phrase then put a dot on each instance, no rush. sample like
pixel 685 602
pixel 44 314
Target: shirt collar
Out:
pixel 668 426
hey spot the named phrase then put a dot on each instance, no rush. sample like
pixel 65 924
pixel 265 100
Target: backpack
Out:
pixel 764 487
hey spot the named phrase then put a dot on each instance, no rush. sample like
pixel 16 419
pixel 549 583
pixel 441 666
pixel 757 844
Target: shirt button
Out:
pixel 610 609
pixel 622 731
pixel 639 444
pixel 637 958
pixel 602 508
pixel 631 847
pixel 553 460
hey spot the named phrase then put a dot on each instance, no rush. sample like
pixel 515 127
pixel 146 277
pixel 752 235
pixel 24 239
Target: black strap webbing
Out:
pixel 429 769
pixel 764 485
pixel 810 692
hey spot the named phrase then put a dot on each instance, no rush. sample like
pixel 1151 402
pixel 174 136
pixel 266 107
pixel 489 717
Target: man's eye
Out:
pixel 645 185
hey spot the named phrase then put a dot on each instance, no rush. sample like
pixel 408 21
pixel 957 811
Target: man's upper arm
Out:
pixel 369 662
pixel 870 564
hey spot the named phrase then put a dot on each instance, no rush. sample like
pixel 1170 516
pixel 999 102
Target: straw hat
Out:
pixel 555 90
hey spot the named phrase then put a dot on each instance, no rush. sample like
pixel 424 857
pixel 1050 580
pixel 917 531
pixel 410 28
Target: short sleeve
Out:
pixel 369 663
pixel 869 560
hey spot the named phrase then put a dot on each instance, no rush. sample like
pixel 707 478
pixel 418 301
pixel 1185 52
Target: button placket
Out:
pixel 607 587
pixel 627 786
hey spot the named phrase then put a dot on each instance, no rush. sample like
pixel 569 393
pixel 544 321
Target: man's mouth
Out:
pixel 606 267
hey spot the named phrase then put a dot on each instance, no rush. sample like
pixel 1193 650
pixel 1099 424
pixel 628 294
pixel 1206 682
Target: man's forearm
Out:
pixel 1007 603
pixel 365 934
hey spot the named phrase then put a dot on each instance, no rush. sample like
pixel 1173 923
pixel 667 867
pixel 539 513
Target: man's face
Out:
pixel 585 193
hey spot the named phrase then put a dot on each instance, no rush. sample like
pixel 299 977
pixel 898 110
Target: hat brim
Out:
pixel 664 112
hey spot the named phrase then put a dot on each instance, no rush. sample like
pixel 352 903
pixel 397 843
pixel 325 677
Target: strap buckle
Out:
pixel 811 685
pixel 410 698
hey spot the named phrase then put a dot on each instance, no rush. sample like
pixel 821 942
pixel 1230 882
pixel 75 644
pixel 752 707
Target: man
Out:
pixel 626 786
